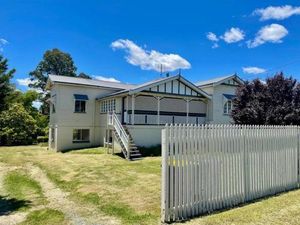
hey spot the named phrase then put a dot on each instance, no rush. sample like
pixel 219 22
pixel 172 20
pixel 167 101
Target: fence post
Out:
pixel 165 177
pixel 298 157
pixel 244 130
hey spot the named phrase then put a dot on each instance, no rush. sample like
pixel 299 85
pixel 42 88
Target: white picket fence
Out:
pixel 210 167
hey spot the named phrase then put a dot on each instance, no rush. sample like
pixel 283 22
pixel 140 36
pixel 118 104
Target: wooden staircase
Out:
pixel 134 153
pixel 124 138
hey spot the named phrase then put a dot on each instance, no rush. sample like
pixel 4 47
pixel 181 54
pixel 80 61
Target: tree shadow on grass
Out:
pixel 9 205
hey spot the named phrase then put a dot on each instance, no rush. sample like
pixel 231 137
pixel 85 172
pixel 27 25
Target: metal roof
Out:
pixel 89 82
pixel 149 84
pixel 217 80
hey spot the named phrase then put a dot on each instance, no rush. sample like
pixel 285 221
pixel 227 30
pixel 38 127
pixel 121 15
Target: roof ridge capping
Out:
pixel 219 80
pixel 153 83
pixel 88 82
pixel 106 81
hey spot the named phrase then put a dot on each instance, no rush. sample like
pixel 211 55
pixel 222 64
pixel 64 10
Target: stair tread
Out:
pixel 133 159
pixel 134 153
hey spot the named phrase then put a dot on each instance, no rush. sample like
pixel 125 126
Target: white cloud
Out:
pixel 271 33
pixel 253 70
pixel 215 45
pixel 150 60
pixel 212 37
pixel 2 43
pixel 24 82
pixel 233 35
pixel 277 13
pixel 110 79
pixel 36 104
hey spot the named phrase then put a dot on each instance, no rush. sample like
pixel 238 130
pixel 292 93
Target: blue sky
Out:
pixel 126 40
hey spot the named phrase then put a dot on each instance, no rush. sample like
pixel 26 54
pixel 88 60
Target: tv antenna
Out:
pixel 161 70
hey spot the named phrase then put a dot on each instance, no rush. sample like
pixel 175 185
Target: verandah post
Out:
pixel 132 109
pixel 187 110
pixel 50 137
pixel 158 110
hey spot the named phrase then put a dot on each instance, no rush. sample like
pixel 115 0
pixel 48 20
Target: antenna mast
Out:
pixel 161 70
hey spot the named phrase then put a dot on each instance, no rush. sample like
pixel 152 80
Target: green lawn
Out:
pixel 124 192
pixel 18 185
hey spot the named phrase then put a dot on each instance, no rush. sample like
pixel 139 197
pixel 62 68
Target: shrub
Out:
pixel 41 139
pixel 17 126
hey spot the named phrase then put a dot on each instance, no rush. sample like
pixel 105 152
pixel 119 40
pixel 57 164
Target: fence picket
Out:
pixel 209 167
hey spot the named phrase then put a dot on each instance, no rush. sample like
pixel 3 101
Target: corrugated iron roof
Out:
pixel 219 80
pixel 89 82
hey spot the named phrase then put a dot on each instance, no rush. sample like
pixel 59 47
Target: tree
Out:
pixel 17 126
pixel 276 102
pixel 54 62
pixel 27 99
pixel 83 75
pixel 6 88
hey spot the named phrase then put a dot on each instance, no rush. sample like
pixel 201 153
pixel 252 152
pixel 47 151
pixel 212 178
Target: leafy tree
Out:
pixel 54 62
pixel 26 99
pixel 276 102
pixel 83 75
pixel 17 126
pixel 6 87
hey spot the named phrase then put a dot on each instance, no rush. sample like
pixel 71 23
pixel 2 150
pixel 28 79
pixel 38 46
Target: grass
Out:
pixel 88 151
pixel 20 186
pixel 117 209
pixel 45 216
pixel 128 191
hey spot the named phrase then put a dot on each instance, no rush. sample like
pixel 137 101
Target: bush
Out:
pixel 41 139
pixel 17 126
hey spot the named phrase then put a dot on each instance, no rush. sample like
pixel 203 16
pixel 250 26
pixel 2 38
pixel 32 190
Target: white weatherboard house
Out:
pixel 87 113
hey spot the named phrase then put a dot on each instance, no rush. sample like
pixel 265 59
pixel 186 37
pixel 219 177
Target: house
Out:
pixel 222 91
pixel 86 113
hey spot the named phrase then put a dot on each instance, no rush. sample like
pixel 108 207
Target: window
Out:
pixel 80 103
pixel 81 135
pixel 227 107
pixel 53 108
pixel 108 105
pixel 80 106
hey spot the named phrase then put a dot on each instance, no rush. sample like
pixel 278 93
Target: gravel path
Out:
pixel 58 200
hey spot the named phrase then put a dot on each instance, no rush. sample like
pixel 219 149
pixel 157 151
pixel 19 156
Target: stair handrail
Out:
pixel 115 122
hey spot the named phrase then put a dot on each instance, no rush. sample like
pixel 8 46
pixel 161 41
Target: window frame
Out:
pixel 85 106
pixel 81 140
pixel 108 105
pixel 228 109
